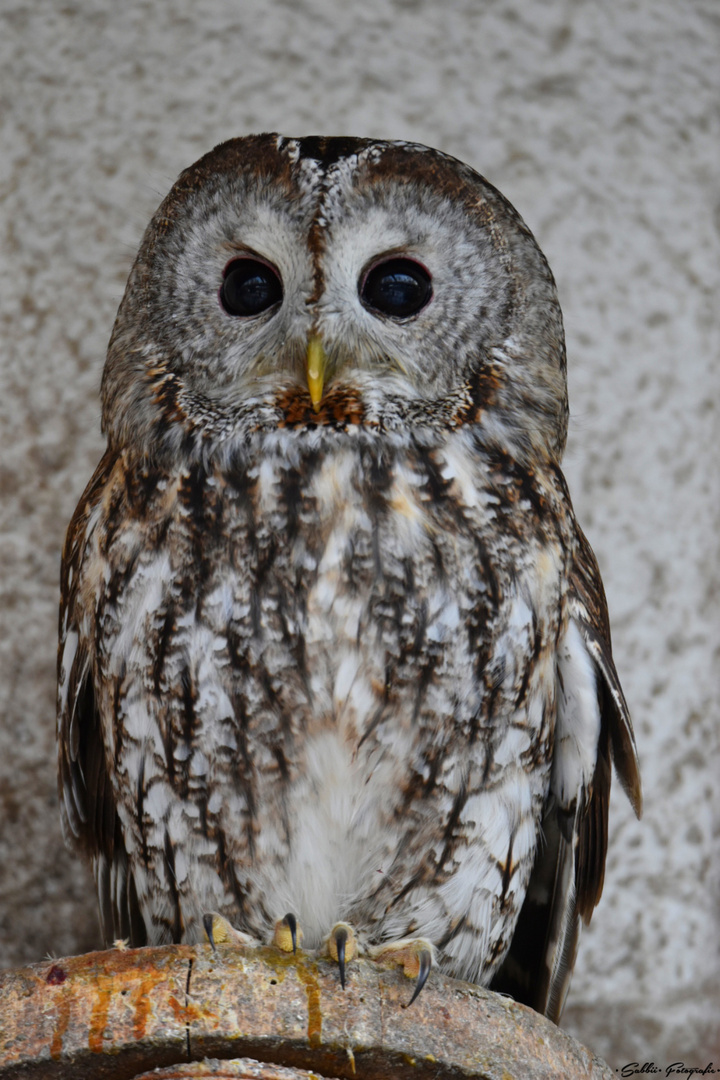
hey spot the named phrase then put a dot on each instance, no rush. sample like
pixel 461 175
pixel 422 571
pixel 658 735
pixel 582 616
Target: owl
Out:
pixel 334 660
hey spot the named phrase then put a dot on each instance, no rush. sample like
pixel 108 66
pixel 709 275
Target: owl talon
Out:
pixel 340 943
pixel 220 932
pixel 425 968
pixel 342 947
pixel 417 956
pixel 287 933
pixel 208 926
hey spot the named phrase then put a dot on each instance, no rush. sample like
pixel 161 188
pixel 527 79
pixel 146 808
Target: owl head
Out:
pixel 328 281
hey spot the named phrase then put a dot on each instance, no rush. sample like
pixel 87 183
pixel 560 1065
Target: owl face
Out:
pixel 306 270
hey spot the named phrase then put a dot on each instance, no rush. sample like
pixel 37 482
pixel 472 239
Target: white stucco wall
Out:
pixel 600 122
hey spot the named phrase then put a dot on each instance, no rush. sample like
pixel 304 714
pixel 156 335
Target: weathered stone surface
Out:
pixel 120 1013
pixel 238 1069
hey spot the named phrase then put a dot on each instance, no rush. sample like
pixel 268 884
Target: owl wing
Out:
pixel 593 727
pixel 87 804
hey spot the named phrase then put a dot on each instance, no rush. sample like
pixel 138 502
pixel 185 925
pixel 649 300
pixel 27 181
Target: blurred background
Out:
pixel 600 123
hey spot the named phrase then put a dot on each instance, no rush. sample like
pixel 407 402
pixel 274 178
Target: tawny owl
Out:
pixel 334 652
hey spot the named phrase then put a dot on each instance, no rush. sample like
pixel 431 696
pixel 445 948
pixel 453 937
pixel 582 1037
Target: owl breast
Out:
pixel 326 672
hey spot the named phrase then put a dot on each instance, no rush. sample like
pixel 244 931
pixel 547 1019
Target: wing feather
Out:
pixel 593 725
pixel 87 804
pixel 588 607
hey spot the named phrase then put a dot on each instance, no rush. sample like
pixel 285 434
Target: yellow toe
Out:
pixel 341 932
pixel 218 931
pixel 411 954
pixel 287 935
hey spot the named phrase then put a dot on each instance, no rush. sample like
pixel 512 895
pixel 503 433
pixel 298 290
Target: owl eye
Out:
pixel 396 287
pixel 249 287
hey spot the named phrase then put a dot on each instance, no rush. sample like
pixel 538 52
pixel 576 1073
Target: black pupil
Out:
pixel 249 287
pixel 398 287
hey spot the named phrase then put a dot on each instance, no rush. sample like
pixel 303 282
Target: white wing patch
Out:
pixel 70 645
pixel 578 718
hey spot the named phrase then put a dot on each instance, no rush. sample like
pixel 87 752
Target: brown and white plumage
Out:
pixel 339 647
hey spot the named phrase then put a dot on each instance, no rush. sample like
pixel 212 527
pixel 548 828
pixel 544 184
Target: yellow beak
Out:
pixel 315 370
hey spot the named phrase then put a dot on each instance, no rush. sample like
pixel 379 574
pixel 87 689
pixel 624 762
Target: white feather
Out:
pixel 578 718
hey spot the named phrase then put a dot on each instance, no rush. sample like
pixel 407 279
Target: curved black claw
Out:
pixel 208 924
pixel 291 923
pixel 340 943
pixel 425 966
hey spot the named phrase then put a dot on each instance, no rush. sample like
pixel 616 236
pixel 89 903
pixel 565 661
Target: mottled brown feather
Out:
pixel 569 871
pixel 589 607
pixel 91 821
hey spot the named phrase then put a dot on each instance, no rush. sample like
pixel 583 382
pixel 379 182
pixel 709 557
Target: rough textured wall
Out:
pixel 600 122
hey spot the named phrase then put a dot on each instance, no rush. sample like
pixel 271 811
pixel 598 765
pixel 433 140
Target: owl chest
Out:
pixel 331 654
pixel 353 585
pixel 343 626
